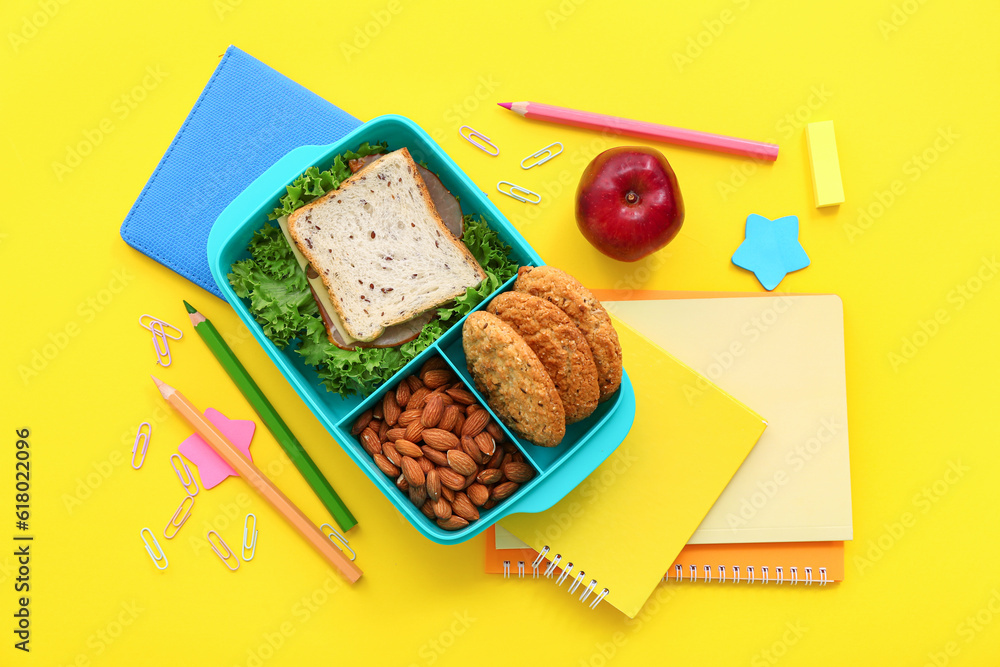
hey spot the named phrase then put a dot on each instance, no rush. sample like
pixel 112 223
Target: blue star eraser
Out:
pixel 771 249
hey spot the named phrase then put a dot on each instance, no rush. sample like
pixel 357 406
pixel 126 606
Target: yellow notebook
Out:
pixel 784 357
pixel 626 522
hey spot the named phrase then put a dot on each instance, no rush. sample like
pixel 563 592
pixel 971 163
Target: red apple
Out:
pixel 628 203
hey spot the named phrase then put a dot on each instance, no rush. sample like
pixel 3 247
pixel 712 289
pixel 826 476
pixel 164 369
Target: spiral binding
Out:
pixel 751 575
pixel 738 575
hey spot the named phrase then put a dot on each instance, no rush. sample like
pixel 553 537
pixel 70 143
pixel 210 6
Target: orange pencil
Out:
pixel 255 478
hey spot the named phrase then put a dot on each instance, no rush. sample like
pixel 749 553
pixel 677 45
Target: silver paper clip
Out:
pixel 191 485
pixel 224 556
pixel 182 514
pixel 519 193
pixel 486 144
pixel 252 545
pixel 161 335
pixel 162 558
pixel 545 154
pixel 141 444
pixel 338 536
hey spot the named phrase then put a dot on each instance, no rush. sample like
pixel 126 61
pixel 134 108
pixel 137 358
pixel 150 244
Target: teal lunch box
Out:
pixel 559 469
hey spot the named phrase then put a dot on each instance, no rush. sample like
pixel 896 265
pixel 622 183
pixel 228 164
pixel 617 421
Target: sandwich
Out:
pixel 382 254
pixel 358 308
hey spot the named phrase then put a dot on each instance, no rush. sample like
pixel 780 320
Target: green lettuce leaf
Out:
pixel 280 300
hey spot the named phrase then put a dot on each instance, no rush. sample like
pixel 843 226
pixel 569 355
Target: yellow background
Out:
pixel 894 76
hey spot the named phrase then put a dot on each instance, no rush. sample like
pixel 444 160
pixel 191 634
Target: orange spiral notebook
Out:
pixel 760 563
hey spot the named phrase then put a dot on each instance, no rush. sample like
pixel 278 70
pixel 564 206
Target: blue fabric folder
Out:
pixel 247 118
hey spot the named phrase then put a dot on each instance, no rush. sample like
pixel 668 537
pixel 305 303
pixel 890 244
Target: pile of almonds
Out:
pixel 441 447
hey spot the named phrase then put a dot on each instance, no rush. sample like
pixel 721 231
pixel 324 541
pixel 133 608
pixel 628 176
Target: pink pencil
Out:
pixel 638 128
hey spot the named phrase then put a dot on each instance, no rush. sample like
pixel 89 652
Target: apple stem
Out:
pixel 631 197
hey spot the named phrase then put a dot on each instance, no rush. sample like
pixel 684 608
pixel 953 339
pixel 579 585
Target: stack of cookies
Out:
pixel 544 355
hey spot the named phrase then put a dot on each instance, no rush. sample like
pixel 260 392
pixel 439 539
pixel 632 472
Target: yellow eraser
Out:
pixel 827 185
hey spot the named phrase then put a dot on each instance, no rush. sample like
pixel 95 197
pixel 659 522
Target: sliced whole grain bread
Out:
pixel 381 249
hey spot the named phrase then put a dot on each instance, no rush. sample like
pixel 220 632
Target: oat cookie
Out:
pixel 558 344
pixel 513 380
pixel 563 290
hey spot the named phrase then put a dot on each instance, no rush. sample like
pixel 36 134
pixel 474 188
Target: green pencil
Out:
pixel 271 418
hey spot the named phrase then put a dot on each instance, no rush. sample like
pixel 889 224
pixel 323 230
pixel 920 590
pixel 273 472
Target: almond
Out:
pixel 470 480
pixel 442 508
pixel 418 495
pixel 475 423
pixel 383 432
pixel 361 422
pixel 402 484
pixel 385 465
pixel 447 494
pixel 408 417
pixel 433 364
pixel 433 485
pixel 518 472
pixel 425 464
pixel 417 399
pixel 402 394
pixel 434 456
pixel 433 411
pixel 394 434
pixel 486 443
pixel 377 411
pixel 428 510
pixel 478 494
pixel 468 445
pixel 494 429
pixel 437 378
pixel 439 439
pixel 450 479
pixel 469 409
pixel 407 448
pixel 390 408
pixel 449 418
pixel 464 508
pixel 489 476
pixel 371 442
pixel 461 396
pixel 501 491
pixel 461 462
pixel 414 432
pixel 445 398
pixel 459 423
pixel 412 471
pixel 495 460
pixel 490 504
pixel 390 452
pixel 414 383
pixel 454 523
